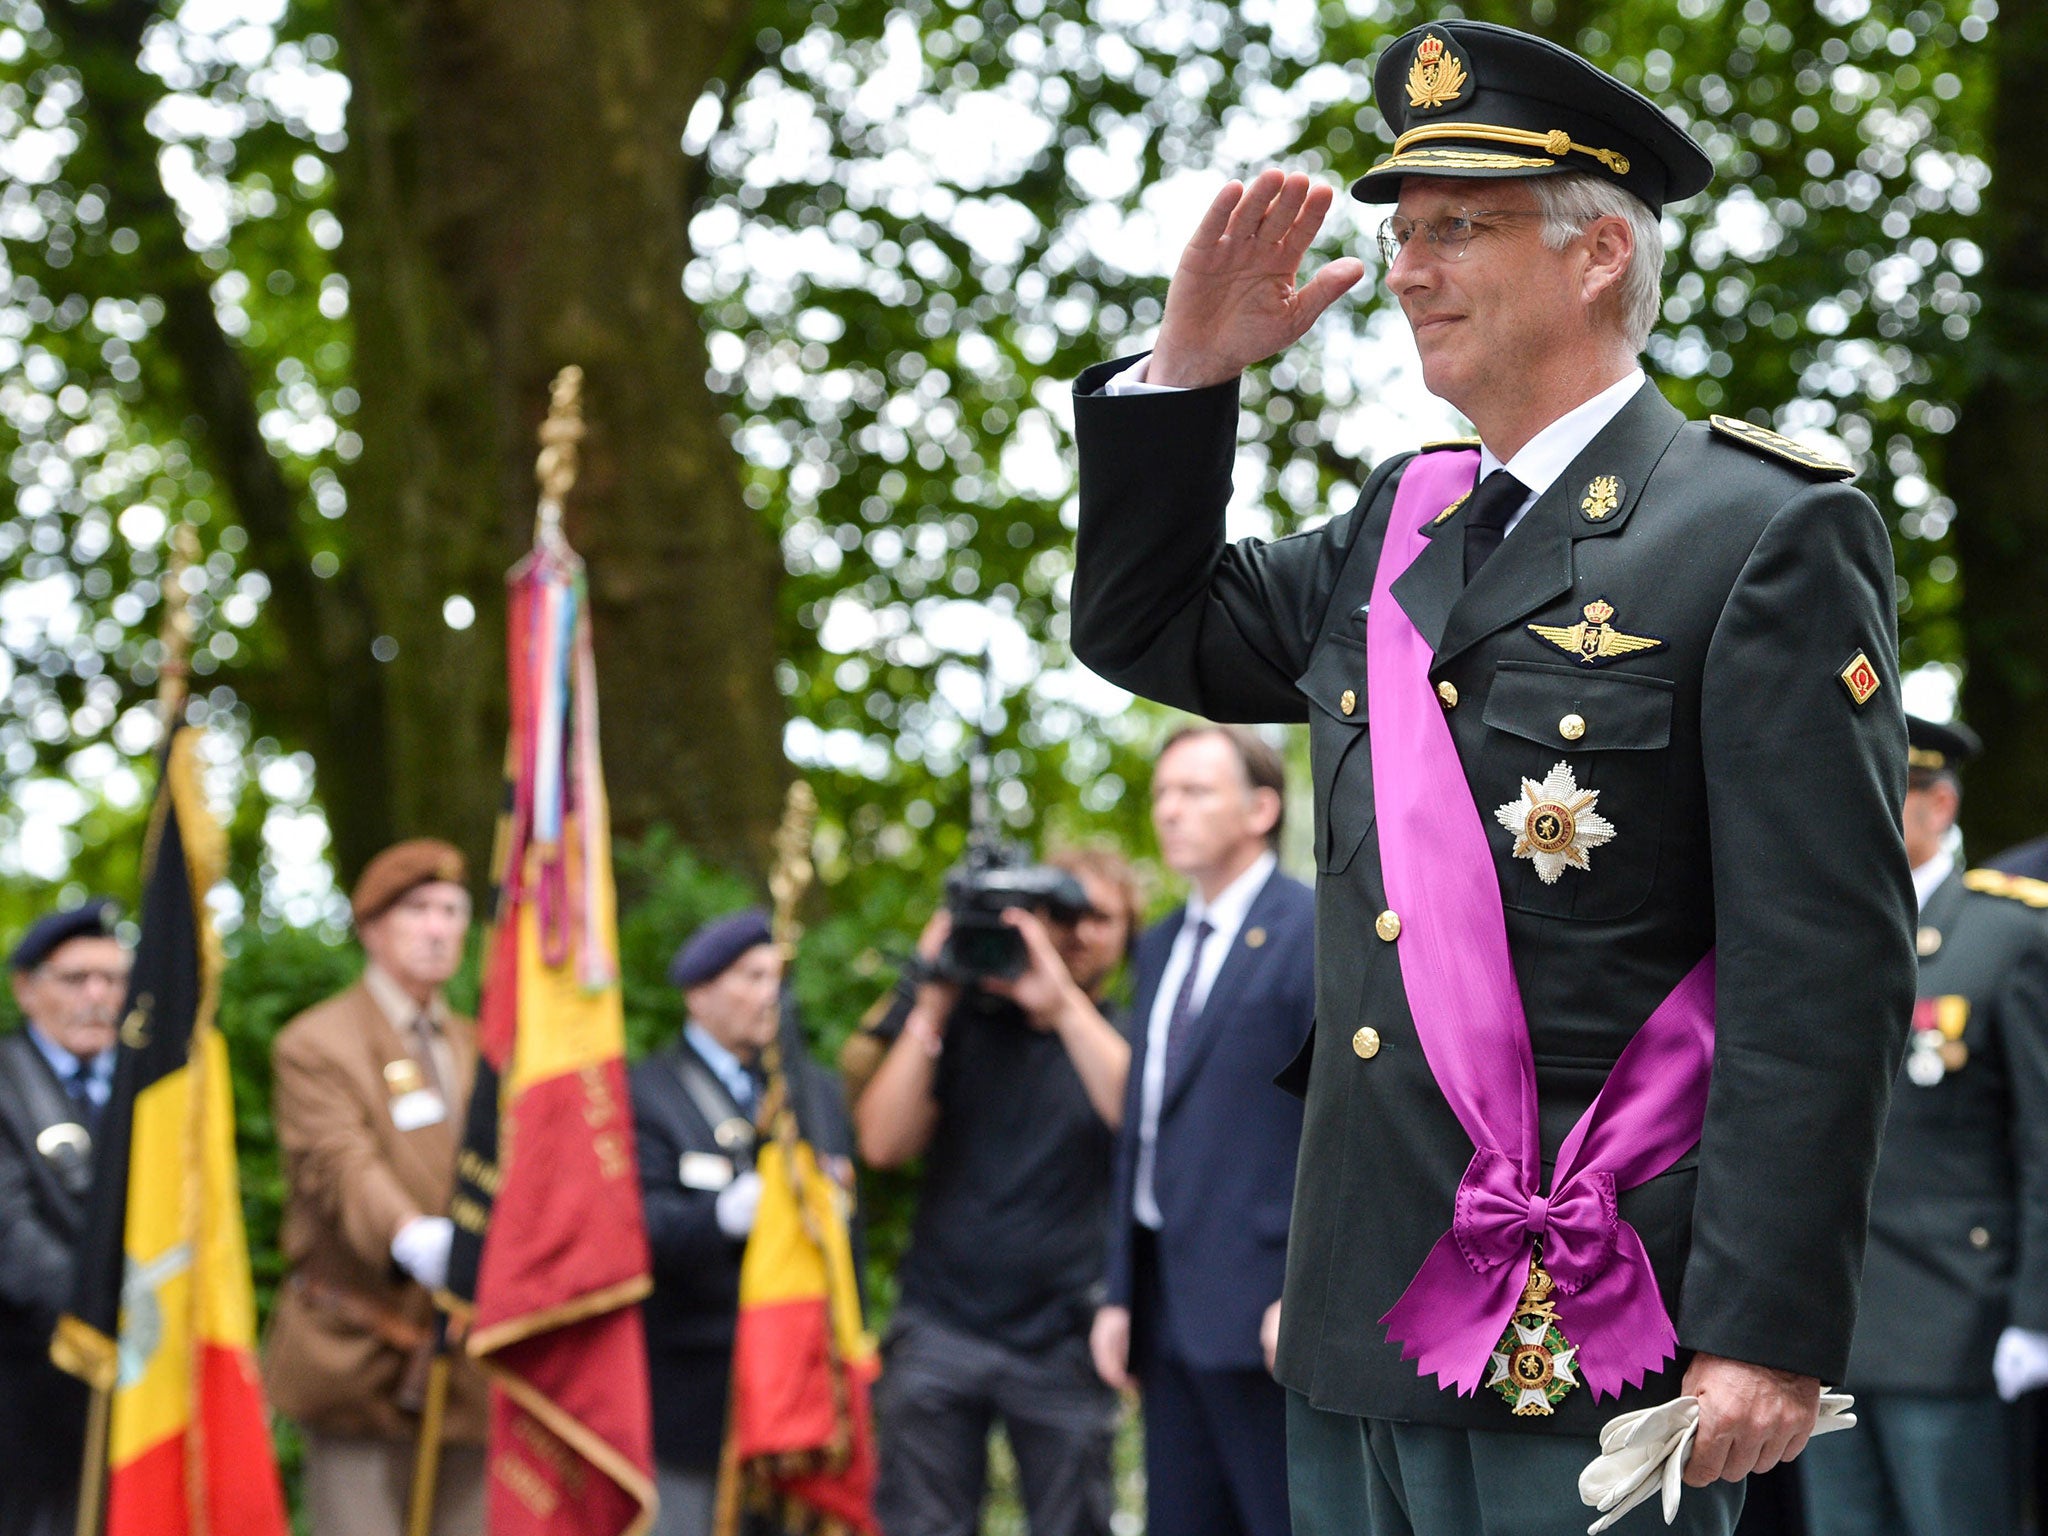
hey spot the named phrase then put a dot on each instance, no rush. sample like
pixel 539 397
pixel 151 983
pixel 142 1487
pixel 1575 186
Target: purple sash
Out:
pixel 1439 874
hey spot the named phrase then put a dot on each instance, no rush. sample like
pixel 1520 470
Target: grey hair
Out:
pixel 1571 201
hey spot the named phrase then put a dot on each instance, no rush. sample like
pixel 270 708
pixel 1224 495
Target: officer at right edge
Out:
pixel 1954 1318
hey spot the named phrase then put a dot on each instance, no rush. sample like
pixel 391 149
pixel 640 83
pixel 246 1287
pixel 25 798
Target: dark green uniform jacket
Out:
pixel 1756 806
pixel 1959 1221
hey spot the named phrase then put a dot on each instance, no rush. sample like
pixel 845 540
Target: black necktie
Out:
pixel 1496 500
pixel 1177 1022
pixel 79 1086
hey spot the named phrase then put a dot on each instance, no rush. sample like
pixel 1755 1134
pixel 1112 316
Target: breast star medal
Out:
pixel 1554 823
pixel 1532 1364
pixel 1593 640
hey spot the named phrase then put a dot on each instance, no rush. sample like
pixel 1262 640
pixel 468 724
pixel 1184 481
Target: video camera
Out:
pixel 993 877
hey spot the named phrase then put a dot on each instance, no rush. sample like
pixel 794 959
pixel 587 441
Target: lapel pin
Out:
pixel 1602 498
pixel 1254 937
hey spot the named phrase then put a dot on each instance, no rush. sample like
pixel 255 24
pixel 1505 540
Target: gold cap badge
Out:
pixel 1436 78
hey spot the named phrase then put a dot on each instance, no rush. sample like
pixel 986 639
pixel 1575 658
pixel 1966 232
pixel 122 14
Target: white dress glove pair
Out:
pixel 1644 1452
pixel 2020 1362
pixel 737 1203
pixel 421 1249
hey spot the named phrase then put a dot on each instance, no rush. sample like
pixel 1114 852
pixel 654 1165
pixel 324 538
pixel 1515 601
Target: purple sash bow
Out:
pixel 1467 1007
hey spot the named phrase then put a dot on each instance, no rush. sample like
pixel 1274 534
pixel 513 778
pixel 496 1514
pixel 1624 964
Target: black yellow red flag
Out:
pixel 163 1317
pixel 551 1253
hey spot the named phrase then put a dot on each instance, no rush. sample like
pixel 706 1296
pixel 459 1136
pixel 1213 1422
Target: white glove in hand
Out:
pixel 2020 1362
pixel 421 1249
pixel 737 1203
pixel 1644 1452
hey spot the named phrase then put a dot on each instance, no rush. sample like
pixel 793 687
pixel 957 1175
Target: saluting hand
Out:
pixel 1233 299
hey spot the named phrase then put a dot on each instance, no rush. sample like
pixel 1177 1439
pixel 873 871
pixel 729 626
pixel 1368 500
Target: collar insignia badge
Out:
pixel 1555 824
pixel 1532 1364
pixel 1593 640
pixel 1436 77
pixel 1938 1047
pixel 1603 496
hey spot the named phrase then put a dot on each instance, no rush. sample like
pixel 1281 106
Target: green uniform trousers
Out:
pixel 1349 1476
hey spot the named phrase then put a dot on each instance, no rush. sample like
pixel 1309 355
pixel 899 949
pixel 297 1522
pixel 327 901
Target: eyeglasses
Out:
pixel 1449 237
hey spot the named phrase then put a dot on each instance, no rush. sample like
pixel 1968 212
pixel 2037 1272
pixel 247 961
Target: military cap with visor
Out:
pixel 1937 748
pixel 1470 99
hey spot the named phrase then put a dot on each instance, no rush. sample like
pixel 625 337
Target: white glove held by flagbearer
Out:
pixel 737 1203
pixel 421 1249
pixel 2020 1362
pixel 1645 1451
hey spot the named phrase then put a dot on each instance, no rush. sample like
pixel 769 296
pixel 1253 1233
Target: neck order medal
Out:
pixel 1532 1364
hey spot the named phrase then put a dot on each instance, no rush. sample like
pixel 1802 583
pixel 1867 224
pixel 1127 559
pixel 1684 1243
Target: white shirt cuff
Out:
pixel 1132 381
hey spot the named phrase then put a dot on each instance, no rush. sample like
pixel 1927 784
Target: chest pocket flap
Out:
pixel 1579 710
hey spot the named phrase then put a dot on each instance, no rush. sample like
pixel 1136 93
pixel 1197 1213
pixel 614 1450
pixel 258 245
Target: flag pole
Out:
pixel 173 674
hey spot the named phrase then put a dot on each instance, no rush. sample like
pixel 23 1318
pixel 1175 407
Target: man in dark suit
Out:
pixel 1954 1319
pixel 56 1074
pixel 1205 1157
pixel 695 1104
pixel 1614 944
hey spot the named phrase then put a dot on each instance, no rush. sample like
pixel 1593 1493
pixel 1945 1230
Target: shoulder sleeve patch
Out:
pixel 1776 445
pixel 1444 443
pixel 1994 882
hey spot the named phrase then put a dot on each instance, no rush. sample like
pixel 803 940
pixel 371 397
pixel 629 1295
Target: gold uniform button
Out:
pixel 1388 925
pixel 1980 1238
pixel 1448 692
pixel 1348 701
pixel 1571 727
pixel 1366 1043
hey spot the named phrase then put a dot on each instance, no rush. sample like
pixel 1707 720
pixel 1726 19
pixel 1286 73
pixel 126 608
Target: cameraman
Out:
pixel 1012 1091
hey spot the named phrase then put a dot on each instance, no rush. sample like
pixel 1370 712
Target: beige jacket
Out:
pixel 340 1352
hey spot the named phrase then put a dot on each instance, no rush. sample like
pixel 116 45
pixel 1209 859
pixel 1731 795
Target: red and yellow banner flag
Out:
pixel 163 1316
pixel 551 1254
pixel 802 1434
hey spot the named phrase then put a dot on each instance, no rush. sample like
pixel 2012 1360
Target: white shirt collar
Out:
pixel 1927 877
pixel 1550 452
pixel 1226 912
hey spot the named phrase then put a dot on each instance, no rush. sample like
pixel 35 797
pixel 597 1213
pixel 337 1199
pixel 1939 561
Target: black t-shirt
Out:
pixel 1011 1220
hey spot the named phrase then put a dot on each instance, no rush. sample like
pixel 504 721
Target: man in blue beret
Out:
pixel 70 975
pixel 1614 919
pixel 696 1105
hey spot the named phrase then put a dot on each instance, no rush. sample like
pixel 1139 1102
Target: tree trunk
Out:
pixel 1997 459
pixel 515 198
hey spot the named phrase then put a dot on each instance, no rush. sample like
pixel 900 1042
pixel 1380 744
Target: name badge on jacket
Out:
pixel 413 1104
pixel 705 1170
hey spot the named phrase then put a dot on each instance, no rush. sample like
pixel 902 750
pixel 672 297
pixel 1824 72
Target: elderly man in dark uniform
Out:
pixel 56 1074
pixel 1954 1321
pixel 695 1105
pixel 1614 920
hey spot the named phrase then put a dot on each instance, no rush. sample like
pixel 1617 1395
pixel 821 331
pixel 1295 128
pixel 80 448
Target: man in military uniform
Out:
pixel 56 1074
pixel 370 1088
pixel 695 1105
pixel 1622 914
pixel 1954 1319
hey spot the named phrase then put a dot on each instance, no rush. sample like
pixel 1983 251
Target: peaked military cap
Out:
pixel 706 954
pixel 92 919
pixel 1470 99
pixel 1932 748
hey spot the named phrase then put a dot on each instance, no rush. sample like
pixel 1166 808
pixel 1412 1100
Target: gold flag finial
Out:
pixel 175 671
pixel 793 871
pixel 561 436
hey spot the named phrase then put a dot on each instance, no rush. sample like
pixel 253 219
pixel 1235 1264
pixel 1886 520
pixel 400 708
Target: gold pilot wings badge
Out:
pixel 1593 640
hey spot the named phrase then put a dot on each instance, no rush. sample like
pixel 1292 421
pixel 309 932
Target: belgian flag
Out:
pixel 163 1316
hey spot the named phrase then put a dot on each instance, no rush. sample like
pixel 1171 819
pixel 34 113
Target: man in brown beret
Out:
pixel 369 1095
